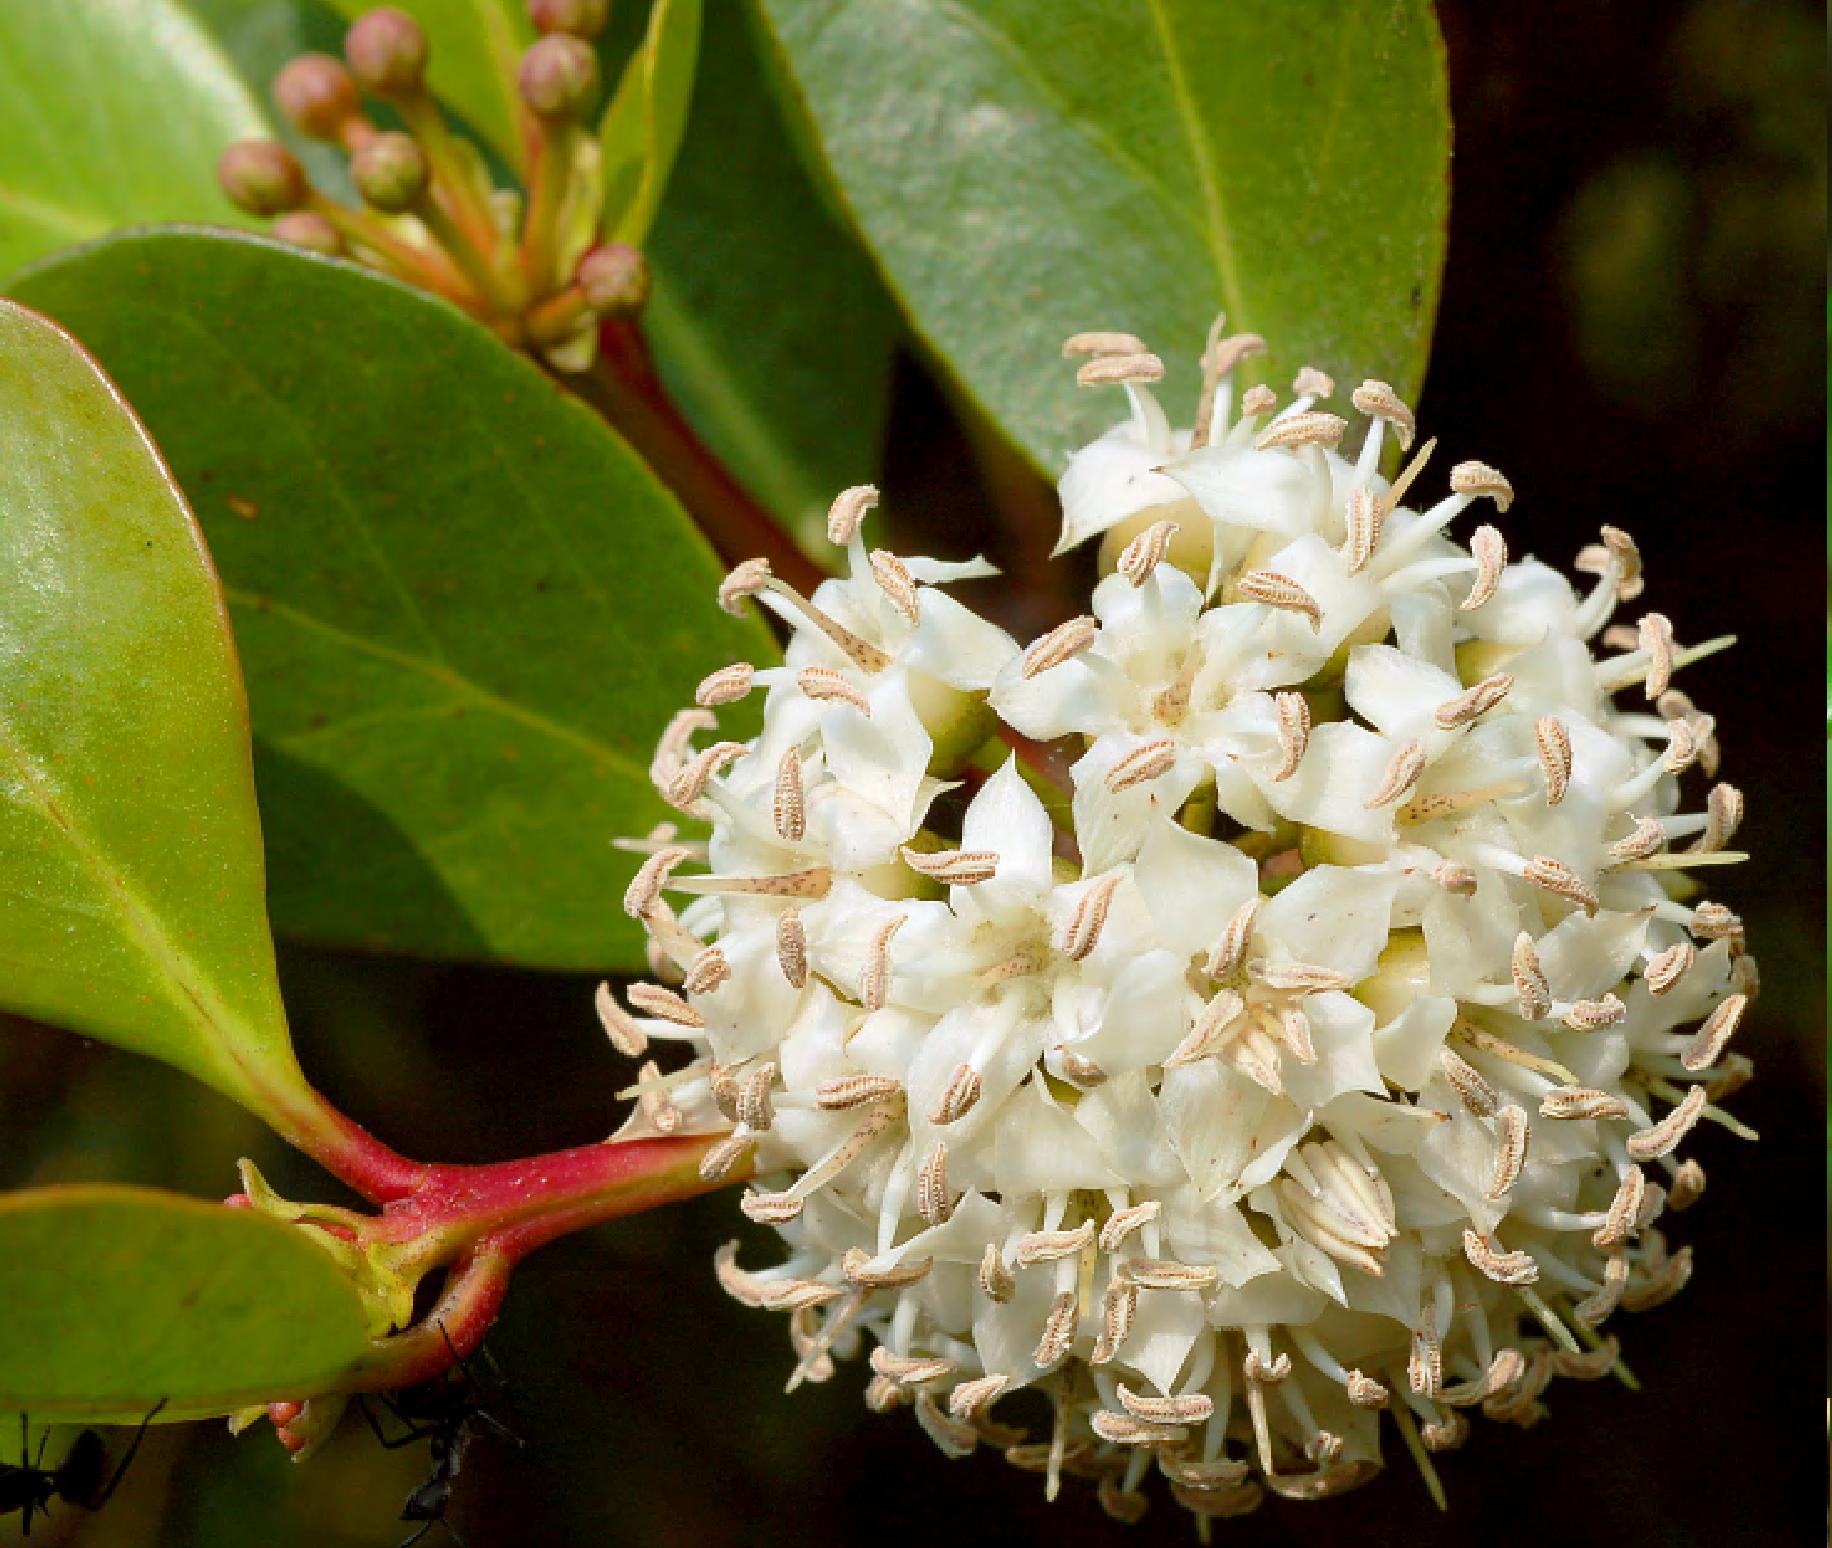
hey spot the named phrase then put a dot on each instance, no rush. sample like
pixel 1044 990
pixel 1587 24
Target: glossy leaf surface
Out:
pixel 465 607
pixel 1026 169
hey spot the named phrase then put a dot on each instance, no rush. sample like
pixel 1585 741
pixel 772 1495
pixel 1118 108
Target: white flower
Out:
pixel 1328 1049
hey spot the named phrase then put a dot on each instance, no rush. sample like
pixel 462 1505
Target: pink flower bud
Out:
pixel 559 77
pixel 317 95
pixel 387 53
pixel 390 172
pixel 262 177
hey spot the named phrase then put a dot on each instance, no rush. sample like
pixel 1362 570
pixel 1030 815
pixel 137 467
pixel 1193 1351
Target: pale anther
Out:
pixel 725 686
pixel 1379 401
pixel 1294 732
pixel 1660 1139
pixel 825 684
pixel 1716 1031
pixel 1403 772
pixel 1146 551
pixel 1111 370
pixel 1083 931
pixel 1063 643
pixel 1490 550
pixel 956 867
pixel 1310 429
pixel 1477 479
pixel 1506 1268
pixel 1554 744
pixel 1473 702
pixel 1145 762
pixel 848 511
pixel 895 581
pixel 1280 591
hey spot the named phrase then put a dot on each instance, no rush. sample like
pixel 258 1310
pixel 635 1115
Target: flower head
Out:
pixel 1329 1051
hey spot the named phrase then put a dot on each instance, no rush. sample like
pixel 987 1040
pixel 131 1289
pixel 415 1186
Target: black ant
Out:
pixel 446 1413
pixel 82 1478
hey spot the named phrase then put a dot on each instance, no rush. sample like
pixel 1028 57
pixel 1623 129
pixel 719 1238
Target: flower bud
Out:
pixel 615 279
pixel 387 53
pixel 317 95
pixel 559 77
pixel 581 18
pixel 390 172
pixel 262 177
pixel 304 228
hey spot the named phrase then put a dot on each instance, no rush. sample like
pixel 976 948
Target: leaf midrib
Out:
pixel 446 677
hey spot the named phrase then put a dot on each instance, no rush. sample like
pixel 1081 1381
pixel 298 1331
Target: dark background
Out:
pixel 1631 330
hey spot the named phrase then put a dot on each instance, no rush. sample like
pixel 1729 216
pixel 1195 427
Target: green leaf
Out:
pixel 642 129
pixel 119 1297
pixel 751 271
pixel 475 49
pixel 466 609
pixel 112 112
pixel 1025 169
pixel 130 848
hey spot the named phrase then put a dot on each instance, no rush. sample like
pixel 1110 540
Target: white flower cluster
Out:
pixel 1326 1050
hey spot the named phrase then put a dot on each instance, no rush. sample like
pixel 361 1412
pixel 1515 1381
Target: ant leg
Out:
pixel 413 1432
pixel 127 1461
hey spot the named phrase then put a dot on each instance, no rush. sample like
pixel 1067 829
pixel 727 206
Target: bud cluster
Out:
pixel 1322 1058
pixel 430 213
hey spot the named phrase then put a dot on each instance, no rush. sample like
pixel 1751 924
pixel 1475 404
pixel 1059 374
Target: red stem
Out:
pixel 625 388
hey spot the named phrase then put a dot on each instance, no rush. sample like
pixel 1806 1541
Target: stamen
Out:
pixel 1688 1186
pixel 1123 1222
pixel 1294 732
pixel 1508 1366
pixel 724 1090
pixel 1308 429
pixel 1718 1028
pixel 910 1370
pixel 1446 1434
pixel 1723 816
pixel 875 978
pixel 1403 772
pixel 1187 1408
pixel 1593 1309
pixel 744 581
pixel 1379 401
pixel 1554 756
pixel 1084 928
pixel 1596 1015
pixel 972 1397
pixel 1058 1332
pixel 754 1290
pixel 1714 922
pixel 895 581
pixel 1207 1036
pixel 1231 950
pixel 1656 636
pixel 1512 1132
pixel 1280 591
pixel 1667 968
pixel 848 511
pixel 1661 1284
pixel 725 686
pixel 1124 1430
pixel 1063 643
pixel 1142 367
pixel 933 1201
pixel 1477 479
pixel 1396 492
pixel 1660 1139
pixel 956 867
pixel 1143 554
pixel 690 784
pixel 1363 517
pixel 1556 877
pixel 825 684
pixel 1505 1268
pixel 1048 1246
pixel 1142 763
pixel 815 882
pixel 620 1027
pixel 1163 1274
pixel 1624 1210
pixel 1102 342
pixel 664 1005
pixel 1581 1102
pixel 1473 702
pixel 1490 550
pixel 1256 401
pixel 663 1116
pixel 755 1110
pixel 855 1264
pixel 792 949
pixel 1365 1392
pixel 1588 1366
pixel 957 1101
pixel 1468 1032
pixel 1681 749
pixel 708 970
pixel 842 1093
pixel 1265 1373
pixel 789 807
pixel 724 1158
pixel 1312 383
pixel 1471 1087
pixel 995 1280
